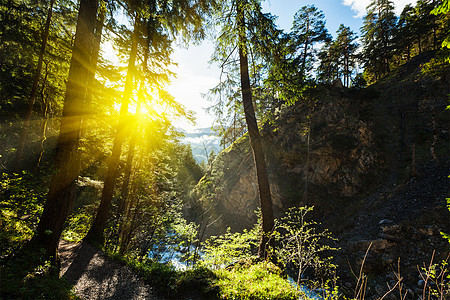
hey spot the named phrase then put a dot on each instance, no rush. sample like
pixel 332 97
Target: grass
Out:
pixel 262 280
pixel 244 280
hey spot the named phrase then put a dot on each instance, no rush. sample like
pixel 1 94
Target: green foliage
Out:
pixel 262 280
pixel 443 9
pixel 162 276
pixel 302 245
pixel 174 239
pixel 220 251
pixel 378 37
pixel 21 202
pixel 436 277
pixel 28 276
pixel 78 223
pixel 359 81
pixel 24 273
pixel 170 282
pixel 338 58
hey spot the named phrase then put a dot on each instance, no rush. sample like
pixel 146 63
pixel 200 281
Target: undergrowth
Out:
pixel 261 280
pixel 24 273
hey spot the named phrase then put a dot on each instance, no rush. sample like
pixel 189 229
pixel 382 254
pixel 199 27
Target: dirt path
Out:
pixel 95 276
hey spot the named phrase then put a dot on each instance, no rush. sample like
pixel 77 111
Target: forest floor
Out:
pixel 95 276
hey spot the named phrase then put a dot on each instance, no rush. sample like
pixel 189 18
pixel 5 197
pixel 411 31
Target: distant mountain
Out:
pixel 202 141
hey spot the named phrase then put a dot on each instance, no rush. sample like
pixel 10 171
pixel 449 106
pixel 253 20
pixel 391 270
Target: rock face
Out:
pixel 344 151
pixel 373 162
pixel 339 161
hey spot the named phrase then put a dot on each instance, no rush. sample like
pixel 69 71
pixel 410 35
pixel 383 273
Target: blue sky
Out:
pixel 196 76
pixel 335 13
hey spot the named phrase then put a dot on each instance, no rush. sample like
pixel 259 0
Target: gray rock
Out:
pixel 387 259
pixel 390 237
pixel 385 222
pixel 363 245
pixel 421 283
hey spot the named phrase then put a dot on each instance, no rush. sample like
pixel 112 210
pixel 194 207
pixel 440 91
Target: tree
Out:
pixel 308 28
pixel 95 234
pixel 265 196
pixel 345 47
pixel 32 99
pixel 328 69
pixel 443 9
pixel 377 36
pixel 425 25
pixel 177 17
pixel 337 58
pixel 405 31
pixel 243 45
pixel 62 187
pixel 21 31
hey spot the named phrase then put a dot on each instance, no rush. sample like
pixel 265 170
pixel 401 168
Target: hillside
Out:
pixel 361 175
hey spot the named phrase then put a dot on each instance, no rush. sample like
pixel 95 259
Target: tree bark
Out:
pixel 32 99
pixel 305 51
pixel 44 120
pixel 265 197
pixel 61 194
pixel 95 234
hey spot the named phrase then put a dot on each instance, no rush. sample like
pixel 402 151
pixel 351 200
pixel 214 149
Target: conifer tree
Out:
pixel 61 194
pixel 308 28
pixel 404 38
pixel 378 36
pixel 265 196
pixel 183 18
pixel 34 89
pixel 345 47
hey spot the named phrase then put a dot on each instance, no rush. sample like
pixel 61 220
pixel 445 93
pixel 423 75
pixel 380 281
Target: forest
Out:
pixel 332 179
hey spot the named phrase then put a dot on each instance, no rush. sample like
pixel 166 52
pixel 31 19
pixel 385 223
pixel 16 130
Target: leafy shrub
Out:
pixel 225 249
pixel 29 276
pixel 21 202
pixel 262 280
pixel 162 277
pixel 300 244
pixel 79 223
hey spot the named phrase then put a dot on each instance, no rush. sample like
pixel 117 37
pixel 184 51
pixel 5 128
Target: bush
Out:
pixel 21 202
pixel 262 280
pixel 300 244
pixel 28 276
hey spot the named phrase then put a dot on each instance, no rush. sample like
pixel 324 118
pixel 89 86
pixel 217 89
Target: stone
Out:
pixel 372 263
pixel 387 259
pixel 410 292
pixel 390 237
pixel 427 231
pixel 421 283
pixel 385 222
pixel 363 245
pixel 392 229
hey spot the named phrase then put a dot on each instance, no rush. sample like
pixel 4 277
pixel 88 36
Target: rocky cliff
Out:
pixel 373 162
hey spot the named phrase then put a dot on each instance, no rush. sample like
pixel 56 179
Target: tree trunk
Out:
pixel 62 187
pixel 32 99
pixel 308 154
pixel 255 139
pixel 95 53
pixel 44 120
pixel 305 51
pixel 95 234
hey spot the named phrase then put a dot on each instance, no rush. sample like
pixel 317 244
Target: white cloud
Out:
pixel 359 6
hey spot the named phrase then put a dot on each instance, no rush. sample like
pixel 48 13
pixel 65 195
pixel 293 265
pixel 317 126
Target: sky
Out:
pixel 196 76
